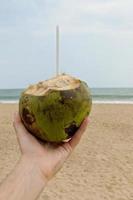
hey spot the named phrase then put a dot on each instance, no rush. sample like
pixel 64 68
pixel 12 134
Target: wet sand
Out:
pixel 101 167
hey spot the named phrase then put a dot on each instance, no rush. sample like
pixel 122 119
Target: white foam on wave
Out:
pixel 94 102
pixel 9 101
pixel 113 102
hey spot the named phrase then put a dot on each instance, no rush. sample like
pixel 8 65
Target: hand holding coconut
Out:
pixel 47 157
pixel 53 111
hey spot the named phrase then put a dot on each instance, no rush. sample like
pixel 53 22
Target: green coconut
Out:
pixel 54 109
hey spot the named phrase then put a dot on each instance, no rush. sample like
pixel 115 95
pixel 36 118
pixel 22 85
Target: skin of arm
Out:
pixel 38 164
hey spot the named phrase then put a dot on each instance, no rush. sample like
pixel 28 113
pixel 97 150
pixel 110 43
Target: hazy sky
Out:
pixel 96 41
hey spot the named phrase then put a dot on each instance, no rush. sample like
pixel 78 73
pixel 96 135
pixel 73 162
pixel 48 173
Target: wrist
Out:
pixel 32 167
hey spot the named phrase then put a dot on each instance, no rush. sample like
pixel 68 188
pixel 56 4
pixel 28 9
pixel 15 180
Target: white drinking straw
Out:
pixel 57 50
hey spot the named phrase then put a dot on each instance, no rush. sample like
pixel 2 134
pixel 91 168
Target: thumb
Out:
pixel 18 126
pixel 21 132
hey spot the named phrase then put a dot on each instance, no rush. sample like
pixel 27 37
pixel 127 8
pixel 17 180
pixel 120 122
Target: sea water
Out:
pixel 99 95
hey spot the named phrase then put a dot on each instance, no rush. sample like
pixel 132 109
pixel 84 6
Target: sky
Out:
pixel 96 41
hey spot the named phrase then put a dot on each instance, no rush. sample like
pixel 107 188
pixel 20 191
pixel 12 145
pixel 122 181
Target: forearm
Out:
pixel 25 183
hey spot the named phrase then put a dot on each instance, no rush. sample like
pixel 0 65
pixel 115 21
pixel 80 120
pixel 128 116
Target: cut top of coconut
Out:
pixel 60 82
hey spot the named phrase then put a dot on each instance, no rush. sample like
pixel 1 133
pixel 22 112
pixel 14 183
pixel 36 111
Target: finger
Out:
pixel 19 129
pixel 17 123
pixel 22 134
pixel 76 138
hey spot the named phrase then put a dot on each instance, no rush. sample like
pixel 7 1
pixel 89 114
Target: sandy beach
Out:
pixel 100 168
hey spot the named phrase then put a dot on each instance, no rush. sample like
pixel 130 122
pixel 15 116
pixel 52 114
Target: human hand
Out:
pixel 46 157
